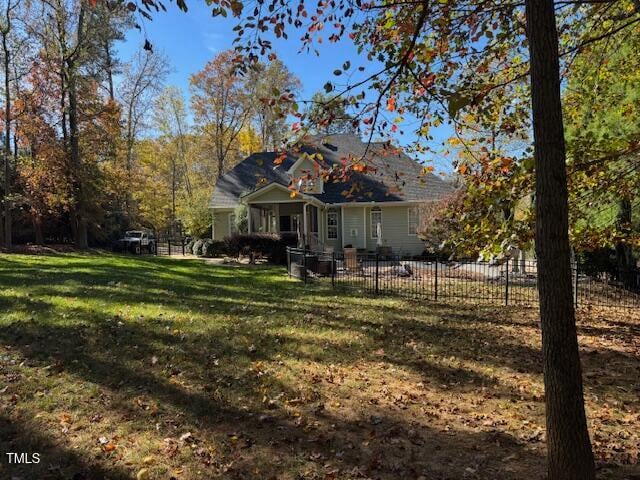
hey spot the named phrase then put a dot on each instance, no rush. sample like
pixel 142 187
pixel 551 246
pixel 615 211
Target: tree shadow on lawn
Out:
pixel 609 347
pixel 275 420
pixel 19 436
pixel 380 442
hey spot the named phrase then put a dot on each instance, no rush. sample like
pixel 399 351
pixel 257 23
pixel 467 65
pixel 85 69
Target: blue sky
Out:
pixel 191 39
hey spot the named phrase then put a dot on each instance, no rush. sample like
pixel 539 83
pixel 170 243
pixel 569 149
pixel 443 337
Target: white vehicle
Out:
pixel 137 241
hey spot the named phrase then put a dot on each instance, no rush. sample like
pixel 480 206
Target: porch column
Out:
pixel 304 224
pixel 249 217
pixel 364 226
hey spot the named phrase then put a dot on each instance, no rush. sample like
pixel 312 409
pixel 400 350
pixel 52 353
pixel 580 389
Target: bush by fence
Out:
pixel 270 246
pixel 260 245
pixel 214 248
pixel 512 282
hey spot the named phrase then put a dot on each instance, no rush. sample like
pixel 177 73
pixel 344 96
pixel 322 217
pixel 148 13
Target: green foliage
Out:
pixel 214 248
pixel 260 245
pixel 241 218
pixel 602 112
pixel 328 115
pixel 195 214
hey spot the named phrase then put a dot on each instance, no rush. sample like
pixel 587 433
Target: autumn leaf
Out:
pixel 280 158
pixel 391 104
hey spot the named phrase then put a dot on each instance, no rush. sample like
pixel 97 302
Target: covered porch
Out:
pixel 272 210
pixel 295 218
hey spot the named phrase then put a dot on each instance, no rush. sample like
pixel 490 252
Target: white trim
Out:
pixel 371 212
pixel 300 197
pixel 264 189
pixel 297 163
pixel 342 225
pixel 305 234
pixel 364 227
pixel 402 203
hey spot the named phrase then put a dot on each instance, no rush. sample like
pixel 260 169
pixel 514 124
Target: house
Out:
pixel 372 206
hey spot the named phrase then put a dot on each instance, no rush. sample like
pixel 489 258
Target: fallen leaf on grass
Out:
pixel 142 474
pixel 65 418
pixel 109 447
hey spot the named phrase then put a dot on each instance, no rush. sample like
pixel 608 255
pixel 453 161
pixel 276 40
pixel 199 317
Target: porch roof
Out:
pixel 277 193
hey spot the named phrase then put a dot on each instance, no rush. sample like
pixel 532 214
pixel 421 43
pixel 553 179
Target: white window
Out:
pixel 413 214
pixel 376 219
pixel 309 185
pixel 332 225
pixel 310 182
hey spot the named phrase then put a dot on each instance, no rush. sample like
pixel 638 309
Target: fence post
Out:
pixel 576 287
pixel 304 264
pixel 333 270
pixel 377 270
pixel 182 241
pixel 506 289
pixel 436 283
pixel 169 245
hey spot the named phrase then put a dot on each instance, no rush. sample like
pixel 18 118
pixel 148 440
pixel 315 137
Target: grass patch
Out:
pixel 116 367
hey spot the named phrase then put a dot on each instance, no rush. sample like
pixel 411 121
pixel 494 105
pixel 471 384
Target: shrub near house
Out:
pixel 255 245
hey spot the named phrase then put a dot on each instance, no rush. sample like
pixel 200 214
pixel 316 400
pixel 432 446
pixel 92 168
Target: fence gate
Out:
pixel 168 245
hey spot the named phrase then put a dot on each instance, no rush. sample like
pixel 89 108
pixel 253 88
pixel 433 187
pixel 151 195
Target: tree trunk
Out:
pixel 624 253
pixel 109 69
pixel 6 150
pixel 80 213
pixel 568 445
pixel 37 228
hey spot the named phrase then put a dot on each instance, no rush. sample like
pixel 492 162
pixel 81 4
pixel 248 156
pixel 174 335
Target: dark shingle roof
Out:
pixel 391 174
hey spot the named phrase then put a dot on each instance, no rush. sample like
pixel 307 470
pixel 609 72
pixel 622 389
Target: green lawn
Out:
pixel 116 367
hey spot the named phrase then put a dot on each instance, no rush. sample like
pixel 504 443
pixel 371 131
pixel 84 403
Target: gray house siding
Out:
pixel 221 223
pixel 354 226
pixel 395 231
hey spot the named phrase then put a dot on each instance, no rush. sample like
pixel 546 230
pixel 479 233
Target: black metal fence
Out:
pixel 170 245
pixel 512 282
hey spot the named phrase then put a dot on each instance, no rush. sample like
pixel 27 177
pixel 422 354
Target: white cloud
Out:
pixel 212 41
